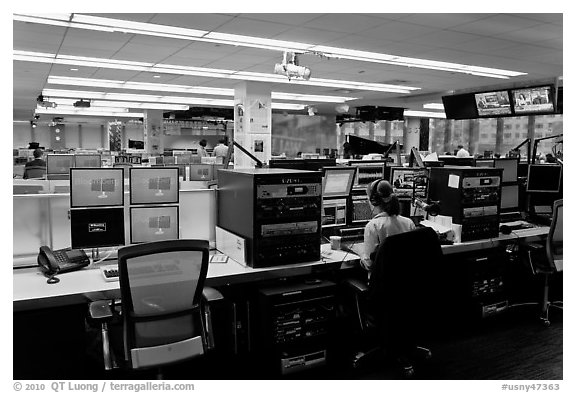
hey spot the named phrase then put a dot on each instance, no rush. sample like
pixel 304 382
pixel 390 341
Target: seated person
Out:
pixel 386 222
pixel 36 162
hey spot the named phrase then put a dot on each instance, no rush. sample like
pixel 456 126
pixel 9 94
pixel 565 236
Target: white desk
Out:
pixel 31 291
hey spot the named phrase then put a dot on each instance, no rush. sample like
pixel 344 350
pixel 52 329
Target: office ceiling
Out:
pixel 529 43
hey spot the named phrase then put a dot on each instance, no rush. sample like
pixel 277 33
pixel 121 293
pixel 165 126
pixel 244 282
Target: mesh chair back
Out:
pixel 161 285
pixel 555 240
pixel 34 172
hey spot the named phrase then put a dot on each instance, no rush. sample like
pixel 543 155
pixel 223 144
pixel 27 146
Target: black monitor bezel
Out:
pixel 116 210
pixel 510 209
pixel 551 97
pixel 544 191
pixel 155 168
pixel 517 159
pixel 160 206
pixel 59 155
pixel 494 115
pixel 72 205
pixel 407 169
pixel 338 169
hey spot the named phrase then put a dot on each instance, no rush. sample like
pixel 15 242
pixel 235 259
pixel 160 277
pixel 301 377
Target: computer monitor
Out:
pixel 368 171
pixel 544 178
pixel 124 166
pixel 409 182
pixel 510 166
pixel 169 160
pixel 148 224
pixel 338 181
pixel 485 162
pixel 509 198
pixel 100 227
pixel 296 163
pixel 201 172
pixel 135 159
pixel 361 209
pixel 459 161
pixel 121 159
pixel 334 212
pixel 59 164
pixel 87 161
pixel 154 185
pixel 96 187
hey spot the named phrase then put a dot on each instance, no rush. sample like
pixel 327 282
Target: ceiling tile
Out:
pixel 396 31
pixel 144 53
pixel 251 27
pixel 344 23
pixel 284 18
pixel 197 21
pixel 535 34
pixel 443 20
pixel 131 17
pixel 309 36
pixel 496 25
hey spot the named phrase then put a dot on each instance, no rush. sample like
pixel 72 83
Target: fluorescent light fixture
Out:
pixel 131 100
pixel 117 25
pixel 205 72
pixel 116 84
pixel 86 112
pixel 123 104
pixel 433 105
pixel 437 115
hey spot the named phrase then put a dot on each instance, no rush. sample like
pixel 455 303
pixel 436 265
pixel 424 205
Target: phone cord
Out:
pixel 52 279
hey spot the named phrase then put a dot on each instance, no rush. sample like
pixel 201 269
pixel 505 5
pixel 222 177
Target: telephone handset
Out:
pixel 60 261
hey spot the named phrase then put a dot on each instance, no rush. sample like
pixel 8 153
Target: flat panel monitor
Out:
pixel 493 103
pixel 313 164
pixel 361 209
pixel 485 162
pixel 88 161
pixel 458 161
pixel 97 227
pixel 201 172
pixel 149 224
pixel 181 169
pixel 509 198
pixel 460 106
pixel 184 158
pixel 333 212
pixel 96 187
pixel 59 164
pixel 124 166
pixel 368 171
pixel 544 178
pixel 169 160
pixel 363 146
pixel 408 182
pixel 510 166
pixel 296 163
pixel 338 181
pixel 154 185
pixel 533 100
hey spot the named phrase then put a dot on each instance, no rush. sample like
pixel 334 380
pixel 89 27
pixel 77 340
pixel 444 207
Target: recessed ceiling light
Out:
pixel 434 105
pixel 156 76
pixel 73 69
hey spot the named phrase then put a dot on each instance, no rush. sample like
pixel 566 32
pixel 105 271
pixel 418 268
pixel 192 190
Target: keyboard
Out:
pixel 110 273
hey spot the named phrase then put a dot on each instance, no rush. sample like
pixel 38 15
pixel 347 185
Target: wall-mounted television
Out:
pixel 538 99
pixel 493 103
pixel 460 106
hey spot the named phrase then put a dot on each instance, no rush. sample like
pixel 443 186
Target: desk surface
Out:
pixel 31 291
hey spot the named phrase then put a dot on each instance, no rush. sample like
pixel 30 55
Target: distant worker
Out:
pixel 462 152
pixel 37 161
pixel 221 149
pixel 202 149
pixel 347 150
pixel 550 159
pixel 386 222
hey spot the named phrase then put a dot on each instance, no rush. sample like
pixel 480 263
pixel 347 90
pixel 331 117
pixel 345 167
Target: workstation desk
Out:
pixel 31 292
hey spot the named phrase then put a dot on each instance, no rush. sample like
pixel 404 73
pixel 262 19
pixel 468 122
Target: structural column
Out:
pixel 153 132
pixel 411 134
pixel 252 122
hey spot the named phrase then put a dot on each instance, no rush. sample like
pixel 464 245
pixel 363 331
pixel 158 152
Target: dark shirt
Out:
pixel 36 162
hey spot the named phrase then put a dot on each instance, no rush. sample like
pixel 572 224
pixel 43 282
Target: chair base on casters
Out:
pixel 403 364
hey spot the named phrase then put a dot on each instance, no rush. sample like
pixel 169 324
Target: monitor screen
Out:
pixel 59 164
pixel 154 185
pixel 202 172
pixel 533 100
pixel 406 181
pixel 334 212
pixel 96 187
pixel 361 209
pixel 368 171
pixel 148 224
pixel 93 228
pixel 486 163
pixel 510 166
pixel 338 181
pixel 509 198
pixel 493 103
pixel 460 106
pixel 169 160
pixel 363 146
pixel 88 161
pixel 544 178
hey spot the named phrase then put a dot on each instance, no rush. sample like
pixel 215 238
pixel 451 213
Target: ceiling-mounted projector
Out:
pixel 290 67
pixel 82 104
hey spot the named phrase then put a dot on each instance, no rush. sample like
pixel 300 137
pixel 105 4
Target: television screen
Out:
pixel 368 171
pixel 493 103
pixel 407 182
pixel 149 224
pixel 154 185
pixel 509 198
pixel 93 228
pixel 96 187
pixel 544 178
pixel 460 106
pixel 510 166
pixel 338 181
pixel 533 100
pixel 87 161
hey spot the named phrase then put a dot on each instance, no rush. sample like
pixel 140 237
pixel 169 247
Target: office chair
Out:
pixel 164 317
pixel 397 302
pixel 34 172
pixel 546 260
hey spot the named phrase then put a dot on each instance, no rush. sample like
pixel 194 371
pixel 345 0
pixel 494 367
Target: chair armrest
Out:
pixel 357 285
pixel 211 295
pixel 100 310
